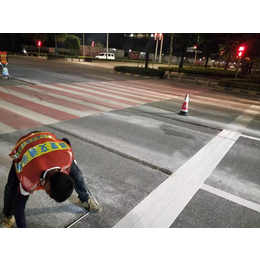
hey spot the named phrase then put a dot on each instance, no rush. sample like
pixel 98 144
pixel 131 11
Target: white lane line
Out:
pixel 250 137
pixel 51 105
pixel 97 76
pixel 100 92
pixel 231 197
pixel 28 113
pixel 165 203
pixel 164 208
pixel 74 100
pixel 6 128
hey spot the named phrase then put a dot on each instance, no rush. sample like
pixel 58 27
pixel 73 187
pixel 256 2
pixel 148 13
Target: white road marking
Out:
pixel 51 105
pixel 84 95
pixel 231 197
pixel 28 113
pixel 113 91
pixel 97 76
pixel 165 203
pixel 6 128
pixel 74 100
pixel 99 91
pixel 250 137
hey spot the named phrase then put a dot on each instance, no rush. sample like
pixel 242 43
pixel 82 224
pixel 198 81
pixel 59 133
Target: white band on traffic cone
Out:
pixel 185 106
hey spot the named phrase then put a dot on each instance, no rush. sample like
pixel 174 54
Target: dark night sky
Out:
pixel 116 40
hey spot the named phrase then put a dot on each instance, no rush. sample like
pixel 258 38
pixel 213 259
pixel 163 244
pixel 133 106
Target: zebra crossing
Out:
pixel 27 106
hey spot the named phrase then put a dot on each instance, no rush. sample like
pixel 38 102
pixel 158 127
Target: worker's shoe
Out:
pixel 7 222
pixel 91 205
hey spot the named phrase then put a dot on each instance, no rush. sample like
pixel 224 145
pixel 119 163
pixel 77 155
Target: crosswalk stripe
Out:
pixel 127 90
pixel 64 97
pixel 142 89
pixel 6 128
pixel 91 98
pixel 15 120
pixel 48 104
pixel 28 113
pixel 53 100
pixel 102 94
pixel 94 96
pixel 26 106
pixel 100 87
pixel 35 106
pixel 169 89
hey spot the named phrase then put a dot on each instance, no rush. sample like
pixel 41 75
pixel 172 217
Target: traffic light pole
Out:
pixel 237 68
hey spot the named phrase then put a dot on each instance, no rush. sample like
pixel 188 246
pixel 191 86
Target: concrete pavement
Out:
pixel 131 154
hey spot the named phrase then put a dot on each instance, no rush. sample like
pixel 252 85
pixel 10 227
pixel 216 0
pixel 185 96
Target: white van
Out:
pixel 104 55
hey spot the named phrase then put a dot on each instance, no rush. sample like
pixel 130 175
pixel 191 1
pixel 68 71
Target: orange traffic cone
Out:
pixel 184 108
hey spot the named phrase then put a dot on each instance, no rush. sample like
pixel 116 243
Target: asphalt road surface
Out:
pixel 145 164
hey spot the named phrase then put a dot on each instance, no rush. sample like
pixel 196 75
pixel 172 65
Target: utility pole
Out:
pixel 160 59
pixel 170 56
pixel 83 45
pixel 156 49
pixel 107 44
pixel 147 52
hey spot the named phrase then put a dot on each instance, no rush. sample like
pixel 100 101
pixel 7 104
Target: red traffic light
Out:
pixel 155 35
pixel 240 51
pixel 161 35
pixel 92 44
pixel 39 43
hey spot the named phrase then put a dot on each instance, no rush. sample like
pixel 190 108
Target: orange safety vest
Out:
pixel 3 57
pixel 35 153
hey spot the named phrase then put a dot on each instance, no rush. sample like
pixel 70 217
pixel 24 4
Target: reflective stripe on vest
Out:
pixel 3 57
pixel 39 150
pixel 27 142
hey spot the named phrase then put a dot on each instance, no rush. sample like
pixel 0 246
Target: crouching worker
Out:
pixel 42 162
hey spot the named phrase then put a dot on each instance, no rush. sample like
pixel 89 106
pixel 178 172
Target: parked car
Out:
pixel 103 55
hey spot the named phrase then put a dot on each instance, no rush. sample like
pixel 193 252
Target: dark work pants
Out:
pixel 14 202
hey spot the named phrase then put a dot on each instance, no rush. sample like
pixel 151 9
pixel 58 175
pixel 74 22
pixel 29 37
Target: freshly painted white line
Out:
pixel 51 105
pixel 231 197
pixel 74 100
pixel 6 128
pixel 99 92
pixel 165 203
pixel 250 137
pixel 28 113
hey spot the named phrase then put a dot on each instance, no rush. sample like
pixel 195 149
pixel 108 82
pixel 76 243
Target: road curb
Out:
pixel 237 90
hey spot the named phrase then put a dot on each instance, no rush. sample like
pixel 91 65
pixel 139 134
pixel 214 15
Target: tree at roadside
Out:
pixel 229 43
pixel 252 49
pixel 183 40
pixel 208 44
pixel 73 43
